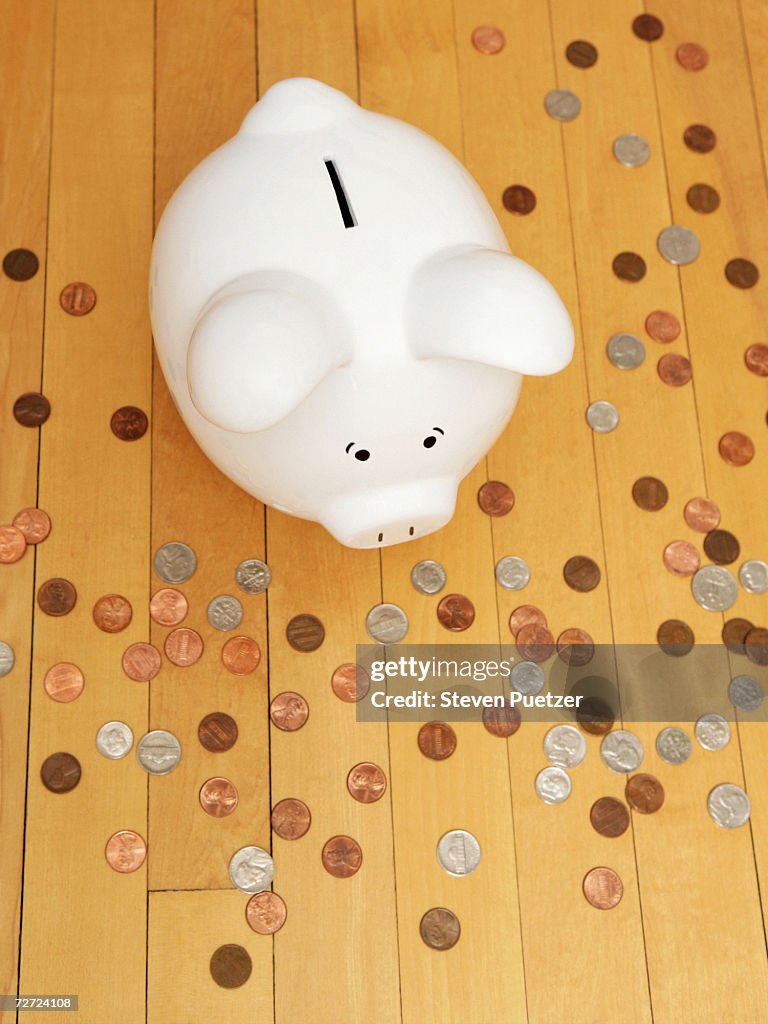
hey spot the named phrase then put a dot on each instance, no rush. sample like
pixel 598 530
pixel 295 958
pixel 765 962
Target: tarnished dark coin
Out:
pixel 291 818
pixel 439 928
pixel 305 633
pixel 77 298
pixel 721 547
pixel 129 423
pixel 231 965
pixel 581 54
pixel 649 493
pixel 60 772
pixel 742 273
pixel 734 634
pixel 629 266
pixel 581 573
pixel 609 817
pixel 595 716
pixel 703 198
pixel 31 409
pixel 644 793
pixel 675 637
pixel 518 199
pixel 495 498
pixel 56 597
pixel 437 740
pixel 20 264
pixel 756 645
pixel 648 27
pixel 502 722
pixel 217 732
pixel 699 138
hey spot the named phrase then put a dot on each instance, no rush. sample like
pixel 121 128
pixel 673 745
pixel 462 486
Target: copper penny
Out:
pixel 699 138
pixel 721 547
pixel 230 965
pixel 456 613
pixel 20 264
pixel 305 633
pixel 129 423
pixel 595 716
pixel 756 358
pixel 56 597
pixel 535 642
pixel 495 498
pixel 350 682
pixel 241 655
pixel 675 637
pixel 648 27
pixel 581 573
pixel 439 928
pixel 64 682
pixel 602 888
pixel 692 56
pixel 487 39
pixel 437 740
pixel 742 273
pixel 289 711
pixel 609 817
pixel 662 326
pixel 291 818
pixel 756 645
pixel 518 199
pixel 703 198
pixel 502 722
pixel 168 607
pixel 34 523
pixel 674 369
pixel 650 494
pixel 266 912
pixel 734 633
pixel 644 793
pixel 218 797
pixel 701 514
pixel 77 298
pixel 736 448
pixel 217 732
pixel 112 613
pixel 629 266
pixel 125 851
pixel 342 856
pixel 60 772
pixel 681 558
pixel 31 409
pixel 575 647
pixel 524 615
pixel 366 782
pixel 13 544
pixel 183 646
pixel 141 662
pixel 581 54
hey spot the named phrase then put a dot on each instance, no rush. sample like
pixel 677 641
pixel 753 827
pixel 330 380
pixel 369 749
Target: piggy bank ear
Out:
pixel 259 348
pixel 489 307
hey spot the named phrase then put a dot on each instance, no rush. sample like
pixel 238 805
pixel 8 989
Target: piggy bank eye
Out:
pixel 362 454
pixel 431 441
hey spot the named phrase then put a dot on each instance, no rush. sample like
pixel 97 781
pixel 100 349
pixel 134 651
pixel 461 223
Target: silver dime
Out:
pixel 713 731
pixel 175 562
pixel 512 572
pixel 225 612
pixel 527 678
pixel 114 740
pixel 621 751
pixel 626 351
pixel 387 623
pixel 458 852
pixel 673 745
pixel 562 104
pixel 678 245
pixel 7 658
pixel 428 577
pixel 714 588
pixel 754 576
pixel 631 150
pixel 158 752
pixel 253 576
pixel 251 869
pixel 565 746
pixel 603 417
pixel 745 693
pixel 553 785
pixel 729 805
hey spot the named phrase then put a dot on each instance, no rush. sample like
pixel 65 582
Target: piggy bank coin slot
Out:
pixel 341 197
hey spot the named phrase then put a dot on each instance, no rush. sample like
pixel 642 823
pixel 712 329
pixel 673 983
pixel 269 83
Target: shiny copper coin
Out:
pixel 629 266
pixel 456 613
pixel 648 27
pixel 535 643
pixel 34 523
pixel 581 54
pixel 699 138
pixel 437 740
pixel 734 633
pixel 518 199
pixel 701 514
pixel 241 655
pixel 756 358
pixel 77 298
pixel 31 409
pixel 644 793
pixel 129 423
pixel 502 722
pixel 674 369
pixel 112 613
pixel 366 782
pixel 595 716
pixel 350 682
pixel 217 732
pixel 60 772
pixel 305 633
pixel 266 912
pixel 183 646
pixel 20 264
pixel 439 928
pixel 64 682
pixel 662 326
pixel 609 817
pixel 525 615
pixel 291 818
pixel 602 888
pixel 495 498
pixel 289 711
pixel 756 645
pixel 736 449
pixel 125 851
pixel 650 494
pixel 487 39
pixel 703 198
pixel 342 856
pixel 56 597
pixel 742 273
pixel 575 647
pixel 13 544
pixel 141 662
pixel 581 573
pixel 230 965
pixel 681 558
pixel 692 56
pixel 168 607
pixel 721 547
pixel 675 637
pixel 218 797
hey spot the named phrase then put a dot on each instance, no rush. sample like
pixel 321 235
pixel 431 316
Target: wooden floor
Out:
pixel 106 107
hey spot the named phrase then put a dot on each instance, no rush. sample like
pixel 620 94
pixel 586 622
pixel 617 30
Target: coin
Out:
pixel 291 818
pixel 34 523
pixel 436 740
pixel 125 851
pixel 524 615
pixel 602 888
pixel 581 54
pixel 20 264
pixel 562 104
pixel 217 732
pixel 77 298
pixel 64 682
pixel 609 817
pixel 112 613
pixel 648 27
pixel 224 612
pixel 678 245
pixel 527 678
pixel 681 558
pixel 745 693
pixel 456 613
pixel 487 39
pixel 366 782
pixel 553 785
pixel 428 577
pixel 253 576
pixel 31 409
pixel 439 928
pixel 753 576
pixel 649 493
pixel 495 498
pixel 350 682
pixel 673 745
pixel 721 547
pixel 175 562
pixel 662 326
pixel 289 711
pixel 755 357
pixel 60 772
pixel 699 138
pixel 458 852
pixel 581 573
pixel 714 588
pixel 675 637
pixel 141 662
pixel 114 740
pixel 644 793
pixel 13 544
pixel 218 797
pixel 756 645
pixel 575 647
pixel 512 572
pixel 602 416
pixel 701 514
pixel 518 199
pixel 129 423
pixel 502 722
pixel 741 273
pixel 728 805
pixel 183 646
pixel 386 624
pixel 621 751
pixel 674 369
pixel 629 266
pixel 7 658
pixel 736 448
pixel 703 198
pixel 625 351
pixel 57 597
pixel 595 716
pixel 713 732
pixel 734 634
pixel 565 746
pixel 230 966
pixel 342 856
pixel 535 643
pixel 251 869
pixel 168 607
pixel 158 752
pixel 266 912
pixel 241 655
pixel 692 56
pixel 631 150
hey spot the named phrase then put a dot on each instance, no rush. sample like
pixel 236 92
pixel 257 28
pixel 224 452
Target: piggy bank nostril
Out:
pixel 429 442
pixel 410 531
pixel 363 455
pixel 381 537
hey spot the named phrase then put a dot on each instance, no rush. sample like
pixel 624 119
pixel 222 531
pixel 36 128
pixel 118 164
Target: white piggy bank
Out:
pixel 339 318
